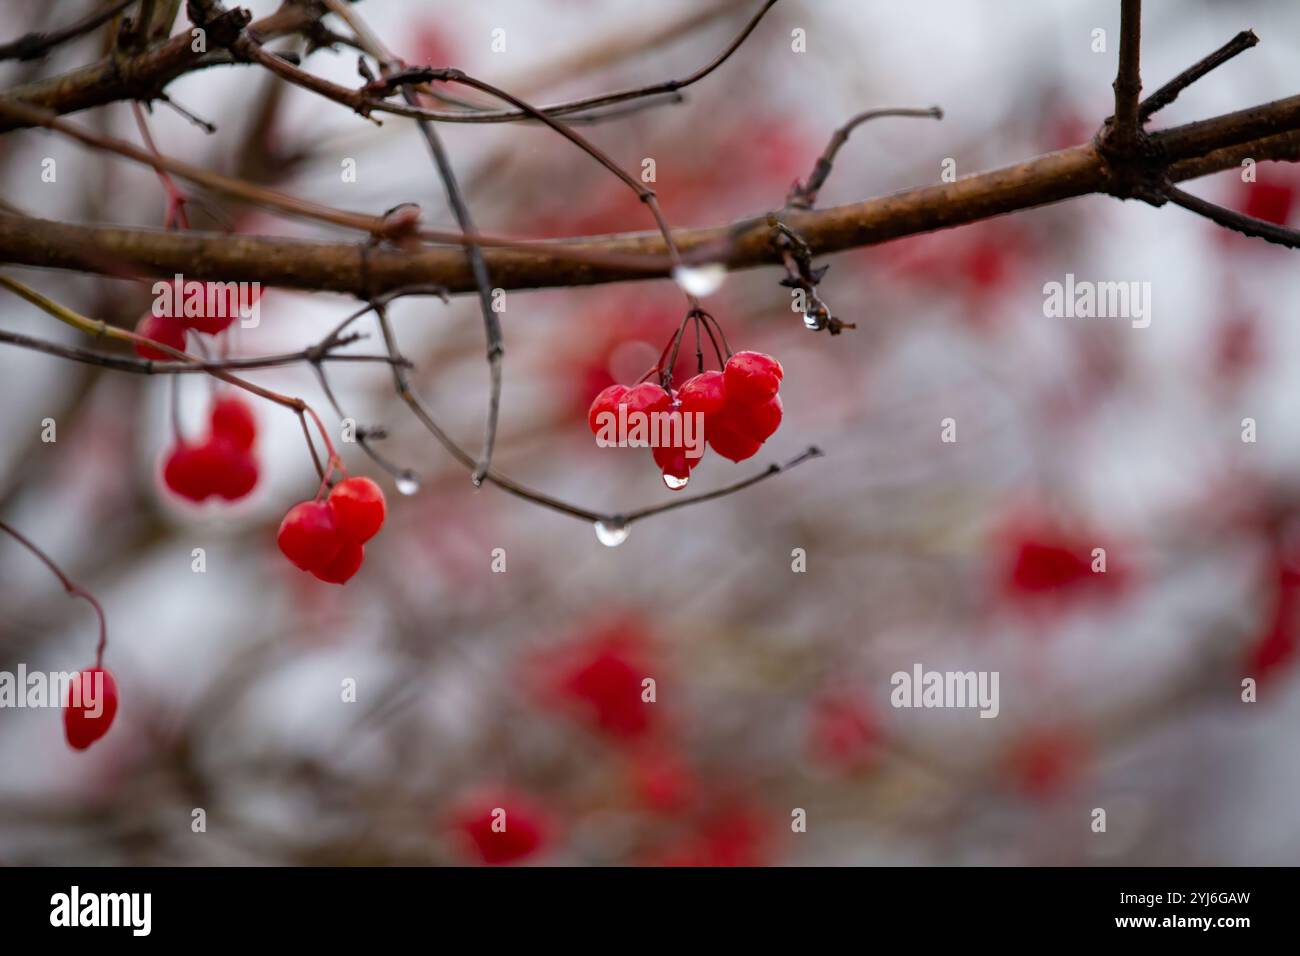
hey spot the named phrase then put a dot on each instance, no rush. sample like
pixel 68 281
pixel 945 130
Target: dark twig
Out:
pixel 805 196
pixel 483 283
pixel 140 366
pixel 69 585
pixel 388 65
pixel 1169 92
pixel 33 46
pixel 1230 219
pixel 1128 79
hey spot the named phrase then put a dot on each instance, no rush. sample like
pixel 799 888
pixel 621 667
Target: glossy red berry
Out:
pixel 705 394
pixel 307 536
pixel 757 420
pixel 752 376
pixel 233 419
pixel 646 398
pixel 606 401
pixel 345 563
pixel 94 694
pixel 359 508
pixel 730 443
pixel 160 328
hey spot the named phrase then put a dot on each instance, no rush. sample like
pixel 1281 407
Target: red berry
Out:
pixel 674 461
pixel 757 420
pixel 161 329
pixel 307 535
pixel 207 307
pixel 752 376
pixel 345 563
pixel 233 469
pixel 606 401
pixel 501 829
pixel 187 472
pixel 359 508
pixel 705 394
pixel 233 419
pixel 94 692
pixel 730 443
pixel 646 398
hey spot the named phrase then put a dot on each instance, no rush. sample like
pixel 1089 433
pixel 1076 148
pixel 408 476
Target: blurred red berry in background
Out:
pixel 499 828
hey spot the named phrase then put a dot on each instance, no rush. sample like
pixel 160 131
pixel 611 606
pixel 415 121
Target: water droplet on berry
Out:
pixel 674 483
pixel 812 320
pixel 612 533
pixel 407 483
pixel 700 280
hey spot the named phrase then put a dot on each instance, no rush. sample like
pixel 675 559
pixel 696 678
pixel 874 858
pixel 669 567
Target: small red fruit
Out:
pixel 95 692
pixel 646 398
pixel 187 472
pixel 162 329
pixel 730 443
pixel 233 470
pixel 752 376
pixel 233 419
pixel 606 401
pixel 307 535
pixel 704 394
pixel 501 830
pixel 345 563
pixel 758 420
pixel 359 508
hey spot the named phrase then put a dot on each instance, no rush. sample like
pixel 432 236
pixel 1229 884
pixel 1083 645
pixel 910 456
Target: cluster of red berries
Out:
pixel 327 538
pixel 223 464
pixel 89 710
pixel 169 325
pixel 739 406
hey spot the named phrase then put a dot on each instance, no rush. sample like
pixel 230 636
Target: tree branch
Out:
pixel 1264 132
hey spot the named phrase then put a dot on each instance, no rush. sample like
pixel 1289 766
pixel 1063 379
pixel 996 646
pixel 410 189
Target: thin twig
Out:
pixel 1169 92
pixel 69 585
pixel 805 196
pixel 141 366
pixel 33 46
pixel 1236 221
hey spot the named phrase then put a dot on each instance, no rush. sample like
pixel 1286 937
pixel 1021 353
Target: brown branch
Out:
pixel 1267 131
pixel 146 75
pixel 33 46
pixel 1128 79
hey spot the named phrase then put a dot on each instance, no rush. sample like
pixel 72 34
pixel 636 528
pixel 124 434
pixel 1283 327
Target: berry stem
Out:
pixel 176 200
pixel 69 585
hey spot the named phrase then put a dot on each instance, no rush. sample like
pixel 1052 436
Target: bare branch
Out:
pixel 33 46
pixel 1162 97
pixel 1236 221
pixel 1267 131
